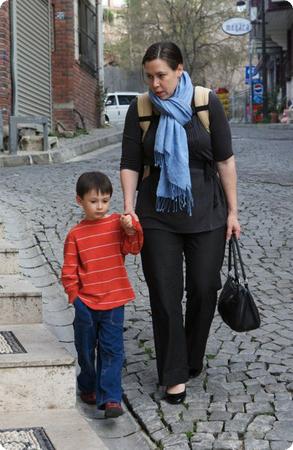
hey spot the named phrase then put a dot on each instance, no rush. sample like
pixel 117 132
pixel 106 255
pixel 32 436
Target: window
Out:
pixel 125 99
pixel 111 100
pixel 87 29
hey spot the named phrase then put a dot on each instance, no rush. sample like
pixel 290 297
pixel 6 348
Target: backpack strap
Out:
pixel 145 112
pixel 201 101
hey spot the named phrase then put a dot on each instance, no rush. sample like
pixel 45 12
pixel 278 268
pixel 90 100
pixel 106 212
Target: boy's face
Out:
pixel 95 204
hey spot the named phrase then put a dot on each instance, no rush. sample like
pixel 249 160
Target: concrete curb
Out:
pixel 271 126
pixel 61 154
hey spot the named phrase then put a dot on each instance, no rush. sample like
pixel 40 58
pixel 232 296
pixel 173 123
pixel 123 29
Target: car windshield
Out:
pixel 126 99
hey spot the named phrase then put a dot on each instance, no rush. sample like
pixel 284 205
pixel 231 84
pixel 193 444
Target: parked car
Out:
pixel 116 106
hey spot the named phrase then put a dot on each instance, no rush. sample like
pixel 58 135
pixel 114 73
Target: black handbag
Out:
pixel 236 305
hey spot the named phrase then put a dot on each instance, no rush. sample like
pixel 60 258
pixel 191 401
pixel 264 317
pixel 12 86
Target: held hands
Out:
pixel 233 226
pixel 126 223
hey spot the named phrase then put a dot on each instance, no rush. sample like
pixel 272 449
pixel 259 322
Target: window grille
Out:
pixel 87 31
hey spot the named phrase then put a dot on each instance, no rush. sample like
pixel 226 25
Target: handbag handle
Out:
pixel 232 260
pixel 235 248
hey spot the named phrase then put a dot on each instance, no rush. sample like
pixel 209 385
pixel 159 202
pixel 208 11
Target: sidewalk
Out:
pixel 263 126
pixel 67 149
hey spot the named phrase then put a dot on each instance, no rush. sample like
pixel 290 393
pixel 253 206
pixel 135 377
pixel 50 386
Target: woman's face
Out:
pixel 161 79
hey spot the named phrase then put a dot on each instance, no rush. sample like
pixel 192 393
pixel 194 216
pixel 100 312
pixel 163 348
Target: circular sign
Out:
pixel 237 26
pixel 258 88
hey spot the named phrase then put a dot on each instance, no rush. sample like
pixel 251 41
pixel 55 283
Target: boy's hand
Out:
pixel 126 223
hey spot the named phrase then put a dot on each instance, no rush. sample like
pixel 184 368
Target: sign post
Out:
pixel 238 26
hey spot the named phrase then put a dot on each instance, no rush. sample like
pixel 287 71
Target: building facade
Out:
pixel 279 46
pixel 48 61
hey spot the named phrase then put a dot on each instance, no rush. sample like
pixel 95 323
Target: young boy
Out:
pixel 95 280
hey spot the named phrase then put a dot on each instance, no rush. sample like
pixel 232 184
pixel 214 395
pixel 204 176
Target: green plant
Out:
pixel 141 343
pixel 189 434
pixel 108 16
pixel 149 352
pixel 276 103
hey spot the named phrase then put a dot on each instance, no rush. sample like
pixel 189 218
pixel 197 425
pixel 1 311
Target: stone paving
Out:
pixel 243 399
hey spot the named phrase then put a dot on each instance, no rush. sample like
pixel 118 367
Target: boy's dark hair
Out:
pixel 93 180
pixel 168 51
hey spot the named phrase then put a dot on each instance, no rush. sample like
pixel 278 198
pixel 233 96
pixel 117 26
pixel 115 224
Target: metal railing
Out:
pixel 239 106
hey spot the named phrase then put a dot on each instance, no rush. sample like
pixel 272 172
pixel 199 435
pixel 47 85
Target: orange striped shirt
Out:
pixel 93 267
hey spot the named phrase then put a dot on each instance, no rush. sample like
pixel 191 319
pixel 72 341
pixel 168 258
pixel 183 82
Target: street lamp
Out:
pixel 241 5
pixel 264 62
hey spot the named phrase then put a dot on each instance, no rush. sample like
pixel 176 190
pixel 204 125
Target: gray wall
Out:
pixel 117 79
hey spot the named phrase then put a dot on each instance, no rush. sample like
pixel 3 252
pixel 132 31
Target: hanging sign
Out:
pixel 257 93
pixel 237 26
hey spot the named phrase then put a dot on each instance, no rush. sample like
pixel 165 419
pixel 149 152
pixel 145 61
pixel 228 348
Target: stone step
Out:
pixel 20 301
pixel 65 429
pixel 8 258
pixel 36 372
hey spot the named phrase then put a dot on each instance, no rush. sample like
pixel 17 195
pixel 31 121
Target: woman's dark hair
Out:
pixel 93 180
pixel 168 51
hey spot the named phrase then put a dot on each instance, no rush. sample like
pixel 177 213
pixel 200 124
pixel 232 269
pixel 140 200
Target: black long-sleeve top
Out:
pixel 209 211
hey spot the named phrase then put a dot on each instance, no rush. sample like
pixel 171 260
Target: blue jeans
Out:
pixel 99 343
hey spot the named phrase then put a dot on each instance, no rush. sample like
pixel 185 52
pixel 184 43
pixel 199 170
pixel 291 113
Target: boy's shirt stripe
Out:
pixel 100 246
pixel 98 235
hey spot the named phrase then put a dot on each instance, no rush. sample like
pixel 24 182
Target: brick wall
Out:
pixel 85 100
pixel 5 75
pixel 74 89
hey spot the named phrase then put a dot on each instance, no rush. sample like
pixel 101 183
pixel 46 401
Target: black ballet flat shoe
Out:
pixel 175 399
pixel 193 373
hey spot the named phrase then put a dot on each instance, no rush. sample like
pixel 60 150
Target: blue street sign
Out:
pixel 254 74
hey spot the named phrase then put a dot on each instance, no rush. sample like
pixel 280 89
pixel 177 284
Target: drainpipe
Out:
pixel 100 62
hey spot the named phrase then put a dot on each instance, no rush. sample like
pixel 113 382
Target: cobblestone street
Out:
pixel 243 399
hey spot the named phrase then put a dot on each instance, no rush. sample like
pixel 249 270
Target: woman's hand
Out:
pixel 126 223
pixel 233 226
pixel 130 211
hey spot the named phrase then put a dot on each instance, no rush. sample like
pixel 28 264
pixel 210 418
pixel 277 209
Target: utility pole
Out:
pixel 100 62
pixel 264 62
pixel 250 118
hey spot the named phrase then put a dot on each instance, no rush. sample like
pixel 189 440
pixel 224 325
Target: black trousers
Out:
pixel 181 346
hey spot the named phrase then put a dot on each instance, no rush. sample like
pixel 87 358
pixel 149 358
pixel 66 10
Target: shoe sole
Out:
pixel 88 402
pixel 113 413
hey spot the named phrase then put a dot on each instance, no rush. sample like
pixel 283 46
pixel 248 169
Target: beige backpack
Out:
pixel 201 101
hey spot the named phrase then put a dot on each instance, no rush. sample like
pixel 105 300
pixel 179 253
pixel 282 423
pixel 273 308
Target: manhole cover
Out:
pixel 10 344
pixel 25 439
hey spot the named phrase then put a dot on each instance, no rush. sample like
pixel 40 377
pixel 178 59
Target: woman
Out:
pixel 187 206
